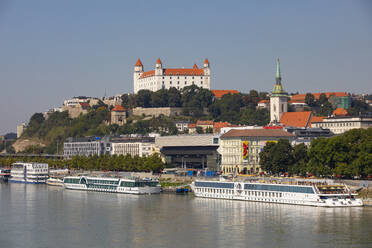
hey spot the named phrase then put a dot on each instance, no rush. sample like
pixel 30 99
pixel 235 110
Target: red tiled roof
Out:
pixel 340 112
pixel 158 61
pixel 175 72
pixel 206 61
pixel 204 123
pixel 296 119
pixel 301 97
pixel 257 133
pixel 192 125
pixel 317 119
pixel 220 93
pixel 220 124
pixel 139 63
pixel 118 108
pixel 195 66
pixel 264 101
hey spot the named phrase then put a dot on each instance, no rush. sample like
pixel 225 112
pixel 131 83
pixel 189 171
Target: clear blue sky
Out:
pixel 54 50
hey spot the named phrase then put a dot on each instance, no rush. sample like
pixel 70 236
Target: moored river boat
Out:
pixel 320 195
pixel 112 185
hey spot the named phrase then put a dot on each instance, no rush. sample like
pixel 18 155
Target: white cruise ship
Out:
pixel 29 173
pixel 320 195
pixel 112 185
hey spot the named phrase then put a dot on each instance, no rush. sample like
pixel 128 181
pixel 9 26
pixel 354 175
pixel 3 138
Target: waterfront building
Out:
pixel 85 147
pixel 165 78
pixel 240 149
pixel 29 173
pixel 306 135
pixel 134 146
pixel 341 124
pixel 190 151
pixel 278 98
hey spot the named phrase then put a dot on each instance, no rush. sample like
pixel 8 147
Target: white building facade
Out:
pixel 339 125
pixel 142 147
pixel 165 78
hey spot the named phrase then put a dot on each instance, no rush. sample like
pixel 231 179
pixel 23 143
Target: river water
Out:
pixel 46 216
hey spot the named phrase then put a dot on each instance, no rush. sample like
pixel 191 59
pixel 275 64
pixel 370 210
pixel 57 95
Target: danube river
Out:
pixel 45 216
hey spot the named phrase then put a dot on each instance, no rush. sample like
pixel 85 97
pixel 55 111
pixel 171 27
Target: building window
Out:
pixel 192 82
pixel 192 77
pixel 178 77
pixel 163 82
pixel 201 82
pixel 185 77
pixel 170 82
pixel 178 82
pixel 163 77
pixel 185 82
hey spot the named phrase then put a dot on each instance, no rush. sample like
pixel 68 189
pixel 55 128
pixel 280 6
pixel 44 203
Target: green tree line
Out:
pixel 104 162
pixel 347 155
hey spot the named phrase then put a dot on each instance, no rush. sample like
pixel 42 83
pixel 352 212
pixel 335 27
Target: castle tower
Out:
pixel 278 98
pixel 138 70
pixel 158 68
pixel 118 115
pixel 207 71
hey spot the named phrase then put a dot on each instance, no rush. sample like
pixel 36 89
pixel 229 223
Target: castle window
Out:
pixel 185 77
pixel 163 82
pixel 170 78
pixel 201 82
pixel 185 82
pixel 163 77
pixel 192 82
pixel 192 77
pixel 170 82
pixel 178 77
pixel 178 82
pixel 201 77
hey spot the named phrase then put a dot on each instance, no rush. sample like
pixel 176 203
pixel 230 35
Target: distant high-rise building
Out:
pixel 165 78
pixel 278 98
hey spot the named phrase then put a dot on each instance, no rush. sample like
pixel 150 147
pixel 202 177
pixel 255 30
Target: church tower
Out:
pixel 278 98
pixel 138 70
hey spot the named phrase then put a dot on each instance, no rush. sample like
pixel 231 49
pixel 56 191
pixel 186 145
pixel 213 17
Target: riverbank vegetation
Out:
pixel 105 162
pixel 347 155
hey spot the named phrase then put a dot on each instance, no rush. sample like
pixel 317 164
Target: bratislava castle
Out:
pixel 165 78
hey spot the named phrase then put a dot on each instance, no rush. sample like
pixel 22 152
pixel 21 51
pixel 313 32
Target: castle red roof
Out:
pixel 175 72
pixel 296 119
pixel 206 61
pixel 139 63
pixel 118 108
pixel 220 93
pixel 195 66
pixel 158 61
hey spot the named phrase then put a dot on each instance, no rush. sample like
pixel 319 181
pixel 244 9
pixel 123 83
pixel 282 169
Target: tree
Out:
pixel 174 97
pixel 322 99
pixel 276 157
pixel 325 109
pixel 250 116
pixel 310 99
pixel 144 98
pixel 300 160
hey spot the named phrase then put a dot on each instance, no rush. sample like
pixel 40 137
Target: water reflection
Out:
pixel 42 216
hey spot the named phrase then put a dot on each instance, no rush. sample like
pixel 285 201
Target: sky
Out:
pixel 52 50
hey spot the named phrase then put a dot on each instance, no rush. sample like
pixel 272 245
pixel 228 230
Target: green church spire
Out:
pixel 278 76
pixel 278 89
